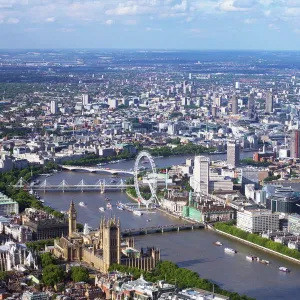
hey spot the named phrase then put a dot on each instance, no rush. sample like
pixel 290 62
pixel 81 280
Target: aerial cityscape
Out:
pixel 149 150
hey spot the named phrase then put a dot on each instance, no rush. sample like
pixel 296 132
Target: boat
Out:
pixel 137 213
pixel 42 201
pixel 148 220
pixel 252 258
pixel 217 243
pixel 106 199
pixel 101 208
pixel 82 204
pixel 230 250
pixel 265 262
pixel 120 206
pixel 108 206
pixel 284 269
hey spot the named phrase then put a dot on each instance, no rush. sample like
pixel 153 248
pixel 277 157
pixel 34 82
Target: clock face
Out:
pixel 74 215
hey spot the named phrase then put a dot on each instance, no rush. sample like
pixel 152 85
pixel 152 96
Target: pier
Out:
pixel 161 229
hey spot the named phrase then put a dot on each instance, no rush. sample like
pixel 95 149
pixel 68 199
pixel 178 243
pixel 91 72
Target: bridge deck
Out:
pixel 161 229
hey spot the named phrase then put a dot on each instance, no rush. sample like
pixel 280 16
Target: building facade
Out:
pixel 233 153
pixel 8 206
pixel 234 105
pixel 294 224
pixel 269 103
pixel 102 248
pixel 295 143
pixel 200 179
pixel 257 221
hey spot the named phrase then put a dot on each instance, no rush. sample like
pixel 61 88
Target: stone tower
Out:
pixel 111 242
pixel 72 219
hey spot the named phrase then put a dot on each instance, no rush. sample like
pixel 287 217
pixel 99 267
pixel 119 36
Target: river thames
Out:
pixel 190 249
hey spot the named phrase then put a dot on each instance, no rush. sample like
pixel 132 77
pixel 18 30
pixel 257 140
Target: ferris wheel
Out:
pixel 151 174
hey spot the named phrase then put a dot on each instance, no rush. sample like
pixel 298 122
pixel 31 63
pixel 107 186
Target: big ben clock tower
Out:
pixel 72 219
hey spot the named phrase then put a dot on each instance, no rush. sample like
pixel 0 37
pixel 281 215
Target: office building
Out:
pixel 85 99
pixel 53 107
pixel 251 106
pixel 284 200
pixel 190 76
pixel 233 153
pixel 294 224
pixel 234 105
pixel 295 143
pixel 8 206
pixel 269 103
pixel 237 85
pixel 257 220
pixel 200 178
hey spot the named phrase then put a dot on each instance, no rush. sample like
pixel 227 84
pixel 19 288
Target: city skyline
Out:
pixel 144 24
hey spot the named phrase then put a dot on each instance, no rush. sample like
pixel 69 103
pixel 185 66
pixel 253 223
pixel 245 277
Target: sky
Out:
pixel 150 24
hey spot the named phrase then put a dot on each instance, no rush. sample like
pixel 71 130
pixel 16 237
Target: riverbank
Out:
pixel 162 210
pixel 255 245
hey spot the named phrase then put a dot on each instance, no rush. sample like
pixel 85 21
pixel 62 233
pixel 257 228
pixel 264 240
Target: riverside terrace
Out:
pixel 161 229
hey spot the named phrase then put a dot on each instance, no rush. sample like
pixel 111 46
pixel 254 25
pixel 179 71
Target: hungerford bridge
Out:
pixel 101 185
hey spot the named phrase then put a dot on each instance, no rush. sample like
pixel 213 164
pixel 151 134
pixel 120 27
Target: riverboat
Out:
pixel 265 262
pixel 137 213
pixel 217 243
pixel 230 250
pixel 101 209
pixel 284 269
pixel 120 206
pixel 108 206
pixel 82 204
pixel 252 258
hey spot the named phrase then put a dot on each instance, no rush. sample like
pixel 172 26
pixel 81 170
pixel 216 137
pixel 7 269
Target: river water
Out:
pixel 190 249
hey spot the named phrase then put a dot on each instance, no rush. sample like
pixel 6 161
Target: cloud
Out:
pixel 230 5
pixel 181 7
pixel 273 27
pixel 109 22
pixel 123 10
pixel 195 30
pixel 13 21
pixel 65 29
pixel 249 21
pixel 152 29
pixel 50 20
pixel 130 22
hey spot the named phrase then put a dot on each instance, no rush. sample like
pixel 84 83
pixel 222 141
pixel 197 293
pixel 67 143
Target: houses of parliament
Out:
pixel 103 247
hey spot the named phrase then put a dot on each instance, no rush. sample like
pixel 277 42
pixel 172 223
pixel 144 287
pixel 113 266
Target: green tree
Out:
pixel 3 276
pixel 79 274
pixel 47 259
pixel 53 274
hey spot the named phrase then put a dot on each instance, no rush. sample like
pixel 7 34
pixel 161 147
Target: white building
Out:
pixel 85 99
pixel 53 107
pixel 8 206
pixel 237 85
pixel 257 220
pixel 113 103
pixel 199 180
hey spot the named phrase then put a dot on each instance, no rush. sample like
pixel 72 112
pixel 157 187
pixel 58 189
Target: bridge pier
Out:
pixel 178 228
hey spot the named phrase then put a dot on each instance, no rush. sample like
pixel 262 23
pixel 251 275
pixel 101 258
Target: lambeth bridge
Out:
pixel 96 169
pixel 161 229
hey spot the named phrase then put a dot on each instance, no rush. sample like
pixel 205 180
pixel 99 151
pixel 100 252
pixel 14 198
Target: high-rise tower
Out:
pixel 251 106
pixel 269 102
pixel 72 219
pixel 295 143
pixel 234 105
pixel 233 153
